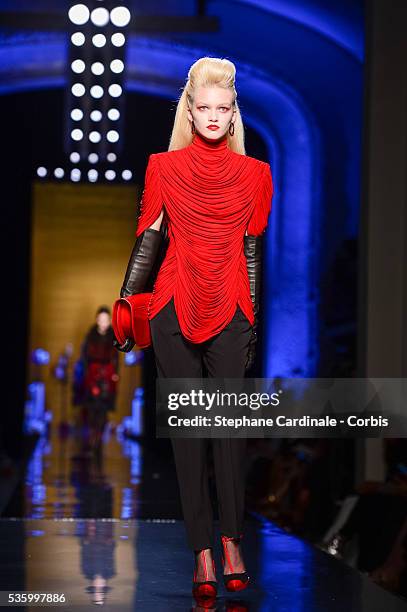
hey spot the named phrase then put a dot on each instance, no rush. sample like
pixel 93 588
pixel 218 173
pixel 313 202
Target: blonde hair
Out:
pixel 206 72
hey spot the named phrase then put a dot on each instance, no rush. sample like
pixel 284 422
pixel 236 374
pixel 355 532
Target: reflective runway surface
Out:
pixel 144 565
pixel 106 529
pixel 128 479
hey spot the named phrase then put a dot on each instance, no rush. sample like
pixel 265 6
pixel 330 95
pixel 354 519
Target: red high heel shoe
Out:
pixel 234 581
pixel 207 589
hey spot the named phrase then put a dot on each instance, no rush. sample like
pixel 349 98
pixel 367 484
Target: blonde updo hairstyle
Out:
pixel 206 72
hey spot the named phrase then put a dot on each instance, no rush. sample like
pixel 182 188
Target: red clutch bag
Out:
pixel 129 319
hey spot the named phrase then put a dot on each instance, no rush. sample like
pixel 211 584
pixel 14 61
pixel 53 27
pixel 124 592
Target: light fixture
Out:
pixel 113 114
pixel 96 91
pixel 116 66
pixel 99 40
pixel 76 114
pixel 78 39
pixel 97 68
pixel 118 39
pixel 112 136
pixel 75 174
pixel 99 17
pixel 76 134
pixel 115 90
pixel 78 66
pixel 95 137
pixel 96 115
pixel 78 14
pixel 59 173
pixel 120 16
pixel 93 175
pixel 74 157
pixel 78 89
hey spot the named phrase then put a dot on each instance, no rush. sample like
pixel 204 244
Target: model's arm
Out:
pixel 139 268
pixel 149 232
pixel 149 235
pixel 253 252
pixel 157 223
pixel 142 259
pixel 253 246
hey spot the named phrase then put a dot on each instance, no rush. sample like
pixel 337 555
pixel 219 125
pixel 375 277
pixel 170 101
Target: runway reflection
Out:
pixel 106 528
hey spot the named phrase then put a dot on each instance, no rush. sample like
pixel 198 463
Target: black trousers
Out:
pixel 224 356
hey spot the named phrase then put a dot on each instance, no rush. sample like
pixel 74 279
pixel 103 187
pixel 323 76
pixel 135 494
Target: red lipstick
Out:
pixel 213 127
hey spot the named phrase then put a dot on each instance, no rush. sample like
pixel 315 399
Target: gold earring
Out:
pixel 231 125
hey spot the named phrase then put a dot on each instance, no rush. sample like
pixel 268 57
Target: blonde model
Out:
pixel 211 202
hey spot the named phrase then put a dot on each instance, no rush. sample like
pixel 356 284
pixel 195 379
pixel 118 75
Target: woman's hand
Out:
pixel 251 352
pixel 126 347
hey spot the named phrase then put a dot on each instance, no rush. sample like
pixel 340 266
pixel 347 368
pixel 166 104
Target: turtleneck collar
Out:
pixel 199 143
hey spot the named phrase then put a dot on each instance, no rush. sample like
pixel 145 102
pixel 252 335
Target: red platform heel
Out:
pixel 204 590
pixel 234 581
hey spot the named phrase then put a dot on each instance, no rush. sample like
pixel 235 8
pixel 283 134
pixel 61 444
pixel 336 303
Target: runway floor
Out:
pixel 110 531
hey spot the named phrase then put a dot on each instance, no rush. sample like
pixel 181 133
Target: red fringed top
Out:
pixel 211 196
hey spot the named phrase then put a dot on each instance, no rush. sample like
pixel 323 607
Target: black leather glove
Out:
pixel 126 347
pixel 253 252
pixel 140 264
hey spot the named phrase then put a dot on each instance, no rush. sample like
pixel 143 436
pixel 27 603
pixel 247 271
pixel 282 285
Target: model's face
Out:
pixel 103 321
pixel 212 106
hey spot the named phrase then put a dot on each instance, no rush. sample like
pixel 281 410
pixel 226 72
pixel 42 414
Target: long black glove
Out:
pixel 140 264
pixel 253 252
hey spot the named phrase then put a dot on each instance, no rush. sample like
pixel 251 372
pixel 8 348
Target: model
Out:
pixel 213 202
pixel 100 375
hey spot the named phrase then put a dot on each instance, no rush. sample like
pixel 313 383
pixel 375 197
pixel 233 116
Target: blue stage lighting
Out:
pixel 40 356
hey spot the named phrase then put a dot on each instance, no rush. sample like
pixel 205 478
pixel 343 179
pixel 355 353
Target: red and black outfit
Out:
pixel 201 310
pixel 211 197
pixel 100 364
